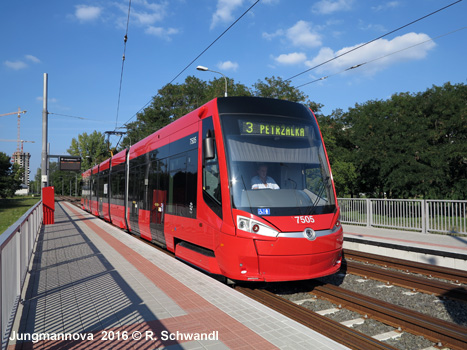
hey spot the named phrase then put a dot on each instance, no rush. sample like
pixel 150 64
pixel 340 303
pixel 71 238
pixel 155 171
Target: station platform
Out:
pixel 428 248
pixel 93 286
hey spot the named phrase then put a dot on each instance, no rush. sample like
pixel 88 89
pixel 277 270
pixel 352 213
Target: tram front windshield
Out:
pixel 277 165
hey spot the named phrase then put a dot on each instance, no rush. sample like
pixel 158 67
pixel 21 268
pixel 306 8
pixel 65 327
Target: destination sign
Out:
pixel 271 129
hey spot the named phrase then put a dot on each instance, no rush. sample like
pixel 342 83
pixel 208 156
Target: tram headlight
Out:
pixel 243 223
pixel 253 226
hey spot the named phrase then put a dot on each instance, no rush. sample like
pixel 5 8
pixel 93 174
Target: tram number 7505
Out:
pixel 305 219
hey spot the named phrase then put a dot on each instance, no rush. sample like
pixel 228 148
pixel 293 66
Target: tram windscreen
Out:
pixel 277 165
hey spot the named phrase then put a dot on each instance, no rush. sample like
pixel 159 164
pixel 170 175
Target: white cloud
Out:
pixel 371 27
pixel 228 65
pixel 145 18
pixel 327 7
pixel 20 64
pixel 144 13
pixel 33 59
pixel 224 12
pixel 291 58
pixel 87 13
pixel 152 6
pixel 375 50
pixel 161 32
pixel 270 36
pixel 386 6
pixel 302 35
pixel 16 65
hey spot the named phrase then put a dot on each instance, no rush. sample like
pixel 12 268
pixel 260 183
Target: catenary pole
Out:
pixel 44 172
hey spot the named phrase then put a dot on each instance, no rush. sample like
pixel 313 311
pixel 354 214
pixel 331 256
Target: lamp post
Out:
pixel 206 69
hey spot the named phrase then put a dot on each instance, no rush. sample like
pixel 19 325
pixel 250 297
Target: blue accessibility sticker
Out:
pixel 264 211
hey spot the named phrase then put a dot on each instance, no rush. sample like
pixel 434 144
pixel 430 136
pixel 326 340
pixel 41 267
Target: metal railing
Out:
pixel 16 245
pixel 437 216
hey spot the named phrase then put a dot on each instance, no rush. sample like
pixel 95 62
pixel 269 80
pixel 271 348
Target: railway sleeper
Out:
pixel 438 331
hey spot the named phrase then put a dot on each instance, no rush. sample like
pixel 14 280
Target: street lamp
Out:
pixel 206 69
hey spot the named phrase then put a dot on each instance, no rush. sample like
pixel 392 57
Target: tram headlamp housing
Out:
pixel 256 227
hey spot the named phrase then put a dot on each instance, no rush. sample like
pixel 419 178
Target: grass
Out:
pixel 11 209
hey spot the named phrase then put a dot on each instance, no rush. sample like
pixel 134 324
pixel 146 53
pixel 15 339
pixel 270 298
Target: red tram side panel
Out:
pixel 240 187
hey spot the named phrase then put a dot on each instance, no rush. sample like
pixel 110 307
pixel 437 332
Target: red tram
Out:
pixel 240 187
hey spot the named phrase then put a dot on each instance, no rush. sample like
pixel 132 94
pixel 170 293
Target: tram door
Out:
pixel 158 194
pixel 135 196
pixel 100 195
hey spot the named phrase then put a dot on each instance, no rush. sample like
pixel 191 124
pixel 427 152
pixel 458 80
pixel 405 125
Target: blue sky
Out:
pixel 79 44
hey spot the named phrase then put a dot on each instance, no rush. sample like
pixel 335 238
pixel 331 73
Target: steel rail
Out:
pixel 438 288
pixel 329 328
pixel 439 331
pixel 457 276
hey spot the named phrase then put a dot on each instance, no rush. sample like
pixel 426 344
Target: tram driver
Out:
pixel 262 180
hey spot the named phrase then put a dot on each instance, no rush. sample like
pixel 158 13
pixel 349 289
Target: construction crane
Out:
pixel 21 141
pixel 18 140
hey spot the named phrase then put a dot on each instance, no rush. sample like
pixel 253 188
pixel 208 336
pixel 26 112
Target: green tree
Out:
pixel 279 89
pixel 445 111
pixel 412 145
pixel 216 88
pixel 10 176
pixel 93 149
pixel 339 153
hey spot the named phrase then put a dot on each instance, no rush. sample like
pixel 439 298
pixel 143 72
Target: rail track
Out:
pixel 456 276
pixel 406 279
pixel 332 329
pixel 441 332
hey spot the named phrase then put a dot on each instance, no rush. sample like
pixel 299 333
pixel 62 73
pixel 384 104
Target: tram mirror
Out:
pixel 209 151
pixel 208 146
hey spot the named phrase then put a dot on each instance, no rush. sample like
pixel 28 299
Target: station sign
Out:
pixel 70 163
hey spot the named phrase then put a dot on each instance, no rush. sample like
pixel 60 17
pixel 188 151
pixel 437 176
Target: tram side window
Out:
pixel 211 181
pixel 103 184
pixel 117 187
pixel 136 183
pixel 177 187
pixel 182 185
pixel 93 188
pixel 211 175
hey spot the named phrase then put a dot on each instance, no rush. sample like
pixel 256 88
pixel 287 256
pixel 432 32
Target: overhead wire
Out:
pixel 125 39
pixel 77 117
pixel 379 58
pixel 369 42
pixel 69 116
pixel 194 60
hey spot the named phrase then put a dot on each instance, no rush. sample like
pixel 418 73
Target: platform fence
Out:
pixel 422 215
pixel 16 248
